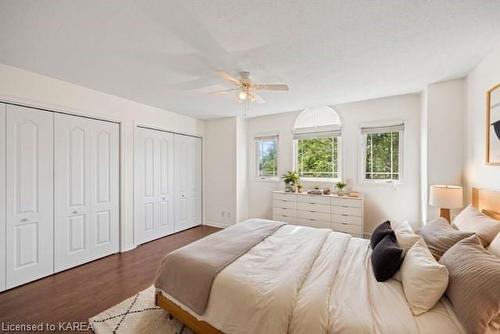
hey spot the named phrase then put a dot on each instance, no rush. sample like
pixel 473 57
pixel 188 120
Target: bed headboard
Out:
pixel 487 201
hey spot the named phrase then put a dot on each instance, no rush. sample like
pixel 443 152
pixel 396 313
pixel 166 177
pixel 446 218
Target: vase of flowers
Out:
pixel 340 188
pixel 291 179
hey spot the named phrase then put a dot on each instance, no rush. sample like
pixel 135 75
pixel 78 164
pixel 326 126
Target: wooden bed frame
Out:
pixel 486 201
pixel 175 311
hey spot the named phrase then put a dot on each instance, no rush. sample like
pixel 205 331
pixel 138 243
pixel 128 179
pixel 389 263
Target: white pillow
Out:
pixel 471 220
pixel 405 235
pixel 424 279
pixel 494 248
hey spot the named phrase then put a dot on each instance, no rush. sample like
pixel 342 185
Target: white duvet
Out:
pixel 306 280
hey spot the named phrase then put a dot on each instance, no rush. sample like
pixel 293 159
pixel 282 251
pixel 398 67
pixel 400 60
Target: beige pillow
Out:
pixel 405 235
pixel 439 236
pixel 424 279
pixel 494 247
pixel 474 286
pixel 471 220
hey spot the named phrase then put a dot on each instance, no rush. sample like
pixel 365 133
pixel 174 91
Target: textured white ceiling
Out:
pixel 164 53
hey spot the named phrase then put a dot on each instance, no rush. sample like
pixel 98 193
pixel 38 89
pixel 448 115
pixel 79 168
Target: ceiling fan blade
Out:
pixel 256 98
pixel 222 92
pixel 226 76
pixel 280 87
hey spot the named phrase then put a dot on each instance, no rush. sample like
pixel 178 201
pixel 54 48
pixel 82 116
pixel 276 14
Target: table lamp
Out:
pixel 446 197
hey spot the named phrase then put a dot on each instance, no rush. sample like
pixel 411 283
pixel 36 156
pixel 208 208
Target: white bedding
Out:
pixel 306 280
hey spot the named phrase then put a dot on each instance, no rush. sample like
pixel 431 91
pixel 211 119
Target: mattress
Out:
pixel 307 280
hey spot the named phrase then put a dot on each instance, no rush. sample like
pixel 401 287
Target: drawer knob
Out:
pixel 345 215
pixel 312 211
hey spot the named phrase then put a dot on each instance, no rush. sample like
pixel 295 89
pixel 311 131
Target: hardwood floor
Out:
pixel 82 292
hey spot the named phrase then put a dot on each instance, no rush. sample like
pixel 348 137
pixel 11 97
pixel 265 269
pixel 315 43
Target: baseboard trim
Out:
pixel 216 224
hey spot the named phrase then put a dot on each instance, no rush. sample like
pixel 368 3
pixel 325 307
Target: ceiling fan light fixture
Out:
pixel 243 95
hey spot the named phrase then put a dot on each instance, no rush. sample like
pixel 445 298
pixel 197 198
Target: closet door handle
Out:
pixel 74 212
pixel 24 220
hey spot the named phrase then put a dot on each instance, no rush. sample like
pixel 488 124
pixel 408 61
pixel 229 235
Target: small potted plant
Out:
pixel 291 179
pixel 340 188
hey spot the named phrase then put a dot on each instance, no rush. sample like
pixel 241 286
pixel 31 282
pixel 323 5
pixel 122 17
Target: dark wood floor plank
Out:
pixel 82 292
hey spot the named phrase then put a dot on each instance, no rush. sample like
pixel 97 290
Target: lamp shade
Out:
pixel 444 196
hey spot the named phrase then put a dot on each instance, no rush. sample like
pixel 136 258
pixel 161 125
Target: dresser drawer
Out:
pixel 351 220
pixel 285 197
pixel 313 223
pixel 313 207
pixel 346 228
pixel 346 210
pixel 314 199
pixel 285 212
pixel 314 215
pixel 284 204
pixel 284 218
pixel 346 202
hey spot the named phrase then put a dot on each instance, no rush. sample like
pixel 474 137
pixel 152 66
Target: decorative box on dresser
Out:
pixel 340 213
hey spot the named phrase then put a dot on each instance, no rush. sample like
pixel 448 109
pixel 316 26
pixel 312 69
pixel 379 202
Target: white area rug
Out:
pixel 137 314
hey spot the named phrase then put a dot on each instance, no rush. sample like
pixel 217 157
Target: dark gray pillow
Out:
pixel 386 258
pixel 439 236
pixel 474 285
pixel 380 232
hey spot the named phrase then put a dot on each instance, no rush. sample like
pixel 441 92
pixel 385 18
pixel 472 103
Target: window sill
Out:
pixel 267 179
pixel 319 179
pixel 387 183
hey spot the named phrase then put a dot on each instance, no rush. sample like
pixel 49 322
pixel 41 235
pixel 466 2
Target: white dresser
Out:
pixel 340 213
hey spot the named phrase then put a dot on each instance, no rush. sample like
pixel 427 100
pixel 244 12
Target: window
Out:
pixel 267 157
pixel 318 157
pixel 382 153
pixel 317 142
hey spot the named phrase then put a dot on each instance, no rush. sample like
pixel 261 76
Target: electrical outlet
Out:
pixel 222 214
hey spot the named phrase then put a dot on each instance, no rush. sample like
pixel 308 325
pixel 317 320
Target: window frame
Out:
pixel 362 174
pixel 256 148
pixel 319 179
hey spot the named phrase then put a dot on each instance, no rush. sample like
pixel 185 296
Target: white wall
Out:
pixel 382 201
pixel 29 88
pixel 482 78
pixel 220 171
pixel 444 128
pixel 241 169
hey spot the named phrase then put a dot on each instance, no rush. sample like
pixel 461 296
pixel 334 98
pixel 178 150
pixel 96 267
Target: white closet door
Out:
pixel 29 230
pixel 2 196
pixel 187 182
pixel 154 188
pixel 86 190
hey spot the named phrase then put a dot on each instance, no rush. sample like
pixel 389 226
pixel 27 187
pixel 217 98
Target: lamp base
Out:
pixel 445 213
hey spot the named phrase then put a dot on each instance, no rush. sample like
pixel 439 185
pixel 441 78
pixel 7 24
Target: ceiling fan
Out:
pixel 246 89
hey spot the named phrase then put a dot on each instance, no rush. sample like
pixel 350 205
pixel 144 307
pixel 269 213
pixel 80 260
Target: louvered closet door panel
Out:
pixel 2 195
pixel 86 190
pixel 188 182
pixel 29 211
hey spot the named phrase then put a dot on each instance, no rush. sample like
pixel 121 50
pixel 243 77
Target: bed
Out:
pixel 306 280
